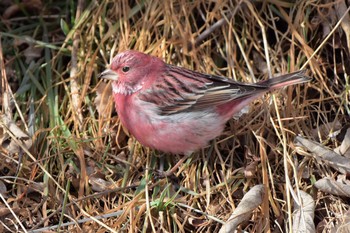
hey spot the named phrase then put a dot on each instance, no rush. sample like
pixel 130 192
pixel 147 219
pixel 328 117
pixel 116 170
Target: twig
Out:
pixel 221 22
pixel 13 213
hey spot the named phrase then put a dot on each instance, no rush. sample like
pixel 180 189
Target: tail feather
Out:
pixel 286 80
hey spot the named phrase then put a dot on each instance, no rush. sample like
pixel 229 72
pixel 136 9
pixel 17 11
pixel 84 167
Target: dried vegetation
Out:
pixel 68 165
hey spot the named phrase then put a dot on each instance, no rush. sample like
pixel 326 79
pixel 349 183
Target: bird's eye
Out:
pixel 125 69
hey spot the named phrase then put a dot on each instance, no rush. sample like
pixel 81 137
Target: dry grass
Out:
pixel 78 164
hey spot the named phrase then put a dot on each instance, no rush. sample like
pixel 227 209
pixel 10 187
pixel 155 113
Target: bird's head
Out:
pixel 130 71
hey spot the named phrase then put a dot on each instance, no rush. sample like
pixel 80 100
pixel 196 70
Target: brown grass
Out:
pixel 78 164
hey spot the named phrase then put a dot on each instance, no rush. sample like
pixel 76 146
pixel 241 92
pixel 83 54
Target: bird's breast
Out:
pixel 179 133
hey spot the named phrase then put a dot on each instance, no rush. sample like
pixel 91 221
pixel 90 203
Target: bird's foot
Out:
pixel 171 173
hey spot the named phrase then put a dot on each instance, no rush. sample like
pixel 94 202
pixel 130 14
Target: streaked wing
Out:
pixel 183 90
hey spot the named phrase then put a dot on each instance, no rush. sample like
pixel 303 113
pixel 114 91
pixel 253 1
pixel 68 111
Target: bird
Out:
pixel 177 110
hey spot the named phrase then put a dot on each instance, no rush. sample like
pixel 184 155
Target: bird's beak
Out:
pixel 109 74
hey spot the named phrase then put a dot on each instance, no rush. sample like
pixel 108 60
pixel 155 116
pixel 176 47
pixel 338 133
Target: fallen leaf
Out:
pixel 303 216
pixel 6 211
pixel 32 5
pixel 344 148
pixel 251 200
pixel 31 53
pixel 329 129
pixel 13 138
pixel 338 162
pixel 260 63
pixel 341 10
pixel 331 186
pixel 342 225
pixel 3 189
pixel 99 184
pixel 103 99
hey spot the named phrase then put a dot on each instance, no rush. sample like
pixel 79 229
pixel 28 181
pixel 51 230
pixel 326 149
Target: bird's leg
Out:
pixel 175 167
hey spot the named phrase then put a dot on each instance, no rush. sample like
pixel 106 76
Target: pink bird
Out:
pixel 176 110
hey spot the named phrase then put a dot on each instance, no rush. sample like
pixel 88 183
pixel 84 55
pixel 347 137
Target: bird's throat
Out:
pixel 125 88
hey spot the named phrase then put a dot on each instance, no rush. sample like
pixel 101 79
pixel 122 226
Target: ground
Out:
pixel 67 163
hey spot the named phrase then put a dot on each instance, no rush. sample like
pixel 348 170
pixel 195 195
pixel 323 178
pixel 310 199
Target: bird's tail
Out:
pixel 286 80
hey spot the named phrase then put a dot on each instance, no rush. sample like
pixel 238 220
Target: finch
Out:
pixel 177 110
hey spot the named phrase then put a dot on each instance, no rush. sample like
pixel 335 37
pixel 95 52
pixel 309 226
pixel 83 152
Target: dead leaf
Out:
pixel 344 148
pixel 197 222
pixel 32 5
pixel 36 187
pixel 341 10
pixel 104 98
pixel 321 226
pixel 329 129
pixel 3 189
pixel 99 184
pixel 342 225
pixel 331 186
pixel 252 164
pixel 336 161
pixel 260 63
pixel 13 138
pixel 249 202
pixel 31 53
pixel 327 21
pixel 303 216
pixel 5 211
pixel 29 48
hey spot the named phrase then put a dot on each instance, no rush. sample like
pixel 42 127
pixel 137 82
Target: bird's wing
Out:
pixel 181 90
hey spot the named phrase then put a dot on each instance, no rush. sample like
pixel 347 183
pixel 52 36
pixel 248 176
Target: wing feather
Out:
pixel 181 90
